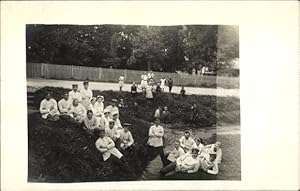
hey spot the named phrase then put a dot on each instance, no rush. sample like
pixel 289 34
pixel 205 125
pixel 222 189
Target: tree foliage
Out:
pixel 158 48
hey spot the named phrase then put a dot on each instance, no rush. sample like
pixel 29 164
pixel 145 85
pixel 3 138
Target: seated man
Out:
pixel 165 116
pixel 64 105
pixel 48 108
pixel 208 162
pixel 117 121
pixel 77 111
pixel 107 147
pixel 218 151
pixel 187 163
pixel 90 121
pixel 112 132
pixel 175 153
pixel 199 145
pixel 74 94
pixel 113 108
pixel 126 138
pixel 186 142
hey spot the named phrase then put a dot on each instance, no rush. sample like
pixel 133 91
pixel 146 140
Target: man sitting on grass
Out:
pixel 74 94
pixel 175 153
pixel 107 147
pixel 199 145
pixel 113 108
pixel 90 121
pixel 117 122
pixel 48 108
pixel 112 131
pixel 208 162
pixel 186 142
pixel 218 150
pixel 64 105
pixel 187 163
pixel 77 111
pixel 126 138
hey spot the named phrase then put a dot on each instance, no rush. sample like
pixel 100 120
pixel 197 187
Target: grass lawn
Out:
pixel 63 152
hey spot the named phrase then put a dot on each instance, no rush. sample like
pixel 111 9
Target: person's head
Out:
pixel 133 83
pixel 158 84
pixel 48 96
pixel 195 152
pixel 159 107
pixel 75 102
pixel 114 102
pixel 126 127
pixel 85 84
pixel 199 140
pixel 75 87
pixel 106 113
pixel 115 116
pixel 177 144
pixel 121 100
pixel 89 114
pixel 100 98
pixel 99 132
pixel 217 145
pixel 111 123
pixel 187 134
pixel 157 121
pixel 93 100
pixel 165 108
pixel 66 96
pixel 135 104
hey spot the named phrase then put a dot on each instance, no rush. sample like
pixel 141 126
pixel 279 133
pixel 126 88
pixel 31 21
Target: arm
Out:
pixel 160 133
pixel 131 141
pixel 55 105
pixel 100 147
pixel 195 169
pixel 43 110
pixel 111 143
pixel 215 169
pixel 181 142
pixel 61 109
pixel 151 134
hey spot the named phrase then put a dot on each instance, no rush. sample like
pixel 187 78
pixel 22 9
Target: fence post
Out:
pixel 99 74
pixel 42 70
pixel 125 75
pixel 72 72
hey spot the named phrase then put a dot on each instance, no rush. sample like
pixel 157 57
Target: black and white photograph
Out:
pixel 133 102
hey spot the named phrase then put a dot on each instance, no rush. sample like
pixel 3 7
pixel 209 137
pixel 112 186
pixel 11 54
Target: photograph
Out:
pixel 119 102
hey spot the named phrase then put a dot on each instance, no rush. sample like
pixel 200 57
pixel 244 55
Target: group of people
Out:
pixel 188 155
pixel 149 86
pixel 114 138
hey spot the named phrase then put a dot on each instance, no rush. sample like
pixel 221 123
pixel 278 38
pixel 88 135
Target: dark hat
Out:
pixel 85 82
pixel 74 85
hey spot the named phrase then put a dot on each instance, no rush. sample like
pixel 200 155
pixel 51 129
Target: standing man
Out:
pixel 170 84
pixel 86 94
pixel 155 140
pixel 64 105
pixel 163 83
pixel 121 82
pixel 74 94
pixel 77 111
pixel 186 142
pixel 144 82
pixel 133 90
pixel 48 108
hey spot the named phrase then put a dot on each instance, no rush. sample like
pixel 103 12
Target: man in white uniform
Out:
pixel 113 108
pixel 218 150
pixel 77 111
pixel 86 94
pixel 163 83
pixel 90 121
pixel 48 108
pixel 64 105
pixel 186 142
pixel 155 140
pixel 74 94
pixel 187 163
pixel 126 138
pixel 175 153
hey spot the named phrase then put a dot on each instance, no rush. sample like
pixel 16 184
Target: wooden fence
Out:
pixel 66 72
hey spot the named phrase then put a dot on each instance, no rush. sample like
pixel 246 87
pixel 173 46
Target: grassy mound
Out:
pixel 63 152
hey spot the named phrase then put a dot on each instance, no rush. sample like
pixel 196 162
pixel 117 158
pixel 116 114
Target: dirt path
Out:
pixel 39 83
pixel 151 172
